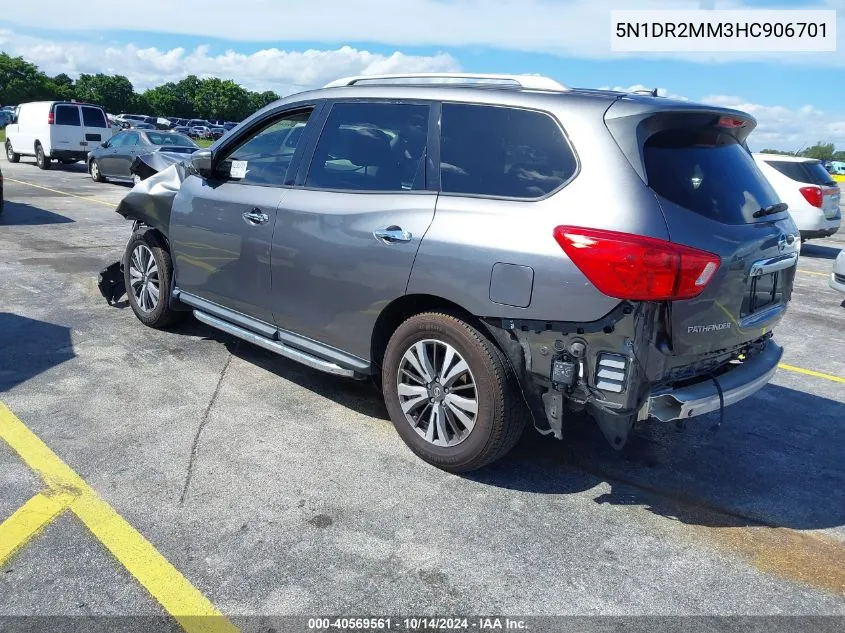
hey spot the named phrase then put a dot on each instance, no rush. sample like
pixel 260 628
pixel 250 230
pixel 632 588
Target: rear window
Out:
pixel 808 173
pixel 93 117
pixel 67 115
pixel 502 152
pixel 170 139
pixel 709 172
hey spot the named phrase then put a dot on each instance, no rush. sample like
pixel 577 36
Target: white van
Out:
pixel 56 130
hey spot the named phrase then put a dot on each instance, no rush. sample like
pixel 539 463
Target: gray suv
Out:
pixel 491 250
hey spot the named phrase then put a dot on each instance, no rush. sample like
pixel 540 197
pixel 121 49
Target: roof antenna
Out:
pixel 646 91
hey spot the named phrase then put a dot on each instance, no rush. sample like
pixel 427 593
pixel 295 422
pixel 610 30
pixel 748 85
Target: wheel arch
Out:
pixel 401 309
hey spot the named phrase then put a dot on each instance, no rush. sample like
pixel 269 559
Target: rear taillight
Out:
pixel 638 268
pixel 50 119
pixel 813 195
pixel 730 122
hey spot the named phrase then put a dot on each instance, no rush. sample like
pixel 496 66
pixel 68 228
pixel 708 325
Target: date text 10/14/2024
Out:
pixel 418 624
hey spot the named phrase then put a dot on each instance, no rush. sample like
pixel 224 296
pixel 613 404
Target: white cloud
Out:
pixel 577 28
pixel 266 69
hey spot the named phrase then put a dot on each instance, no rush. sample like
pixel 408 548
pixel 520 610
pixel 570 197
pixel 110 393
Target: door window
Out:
pixel 265 156
pixel 132 138
pixel 67 115
pixel 371 147
pixel 502 152
pixel 118 139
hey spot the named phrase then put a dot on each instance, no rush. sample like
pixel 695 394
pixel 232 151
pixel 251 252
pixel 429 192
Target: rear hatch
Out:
pixel 714 198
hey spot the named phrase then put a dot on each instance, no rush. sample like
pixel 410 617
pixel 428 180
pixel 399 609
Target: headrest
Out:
pixel 368 147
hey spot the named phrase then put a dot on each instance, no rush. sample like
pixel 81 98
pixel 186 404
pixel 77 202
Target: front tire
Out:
pixel 148 274
pixel 451 393
pixel 11 155
pixel 40 158
pixel 94 170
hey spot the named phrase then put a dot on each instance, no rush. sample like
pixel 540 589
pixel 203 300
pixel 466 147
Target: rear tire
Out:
pixel 40 158
pixel 11 155
pixel 148 274
pixel 94 170
pixel 462 439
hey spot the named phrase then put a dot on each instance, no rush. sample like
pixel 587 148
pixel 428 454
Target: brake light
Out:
pixel 638 268
pixel 813 195
pixel 730 122
pixel 50 119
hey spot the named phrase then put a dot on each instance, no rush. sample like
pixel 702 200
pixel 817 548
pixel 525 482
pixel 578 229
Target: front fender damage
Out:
pixel 150 201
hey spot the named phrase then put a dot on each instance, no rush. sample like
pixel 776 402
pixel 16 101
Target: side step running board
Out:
pixel 275 346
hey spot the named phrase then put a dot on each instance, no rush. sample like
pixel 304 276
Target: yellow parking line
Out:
pixel 64 193
pixel 28 521
pixel 812 272
pixel 810 372
pixel 166 584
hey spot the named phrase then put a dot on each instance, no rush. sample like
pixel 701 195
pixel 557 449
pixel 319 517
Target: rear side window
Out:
pixel 708 172
pixel 132 138
pixel 371 147
pixel 93 117
pixel 67 115
pixel 502 152
pixel 808 173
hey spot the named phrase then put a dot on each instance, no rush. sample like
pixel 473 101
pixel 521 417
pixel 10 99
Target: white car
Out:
pixel 810 192
pixel 837 277
pixel 56 130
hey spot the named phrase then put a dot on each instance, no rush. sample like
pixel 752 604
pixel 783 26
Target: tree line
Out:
pixel 820 151
pixel 192 97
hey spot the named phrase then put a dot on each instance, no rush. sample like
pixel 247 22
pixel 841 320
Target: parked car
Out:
pixel 6 117
pixel 200 131
pixel 114 158
pixel 812 195
pixel 455 244
pixel 182 129
pixel 56 130
pixel 229 125
pixel 837 277
pixel 217 132
pixel 198 123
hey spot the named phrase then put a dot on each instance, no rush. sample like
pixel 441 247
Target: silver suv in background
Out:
pixel 491 250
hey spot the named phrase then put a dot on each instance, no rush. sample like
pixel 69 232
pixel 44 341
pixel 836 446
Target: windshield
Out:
pixel 709 172
pixel 163 138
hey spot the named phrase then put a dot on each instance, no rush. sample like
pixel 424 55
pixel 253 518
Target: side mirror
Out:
pixel 106 144
pixel 201 161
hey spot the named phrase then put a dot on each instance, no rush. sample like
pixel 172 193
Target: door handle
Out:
pixel 255 216
pixel 393 235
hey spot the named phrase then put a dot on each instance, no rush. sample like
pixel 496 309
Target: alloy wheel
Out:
pixel 143 276
pixel 437 392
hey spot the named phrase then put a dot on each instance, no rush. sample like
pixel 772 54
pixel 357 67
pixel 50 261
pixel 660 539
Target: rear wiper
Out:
pixel 778 207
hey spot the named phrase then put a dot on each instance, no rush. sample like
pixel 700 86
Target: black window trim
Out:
pixel 228 142
pixel 483 196
pixel 308 160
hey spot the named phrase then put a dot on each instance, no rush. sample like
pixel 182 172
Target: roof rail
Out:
pixel 528 82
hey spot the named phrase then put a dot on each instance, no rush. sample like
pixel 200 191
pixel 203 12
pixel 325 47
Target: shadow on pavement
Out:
pixel 778 459
pixel 29 347
pixel 817 251
pixel 22 214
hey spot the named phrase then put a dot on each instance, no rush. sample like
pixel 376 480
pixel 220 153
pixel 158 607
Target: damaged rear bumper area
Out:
pixel 737 382
pixel 622 369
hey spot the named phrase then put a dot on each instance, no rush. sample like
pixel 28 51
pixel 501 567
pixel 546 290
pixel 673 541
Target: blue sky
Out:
pixel 796 97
